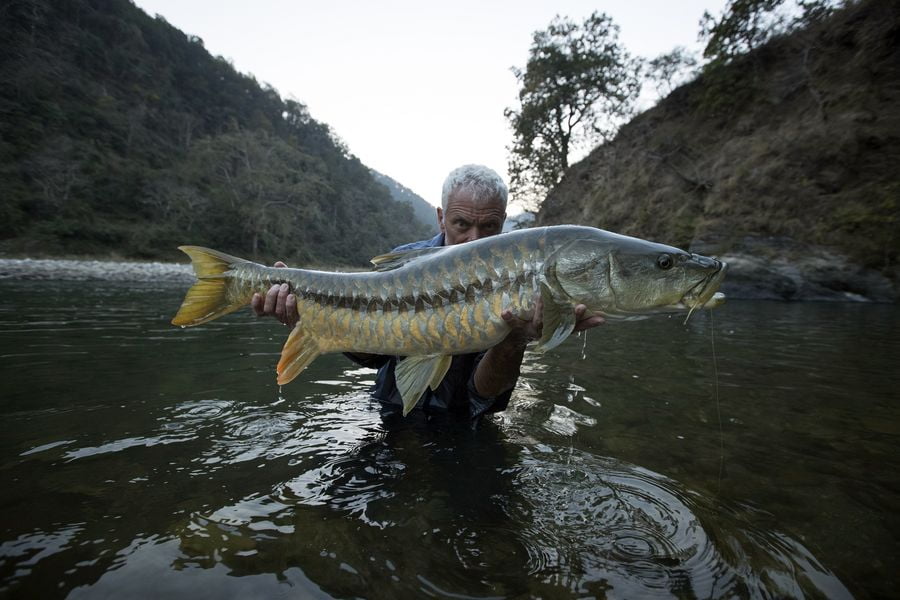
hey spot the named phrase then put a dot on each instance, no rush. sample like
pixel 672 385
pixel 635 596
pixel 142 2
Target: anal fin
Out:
pixel 415 374
pixel 299 350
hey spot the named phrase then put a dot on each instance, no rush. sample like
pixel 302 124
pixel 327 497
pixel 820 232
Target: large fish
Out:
pixel 432 303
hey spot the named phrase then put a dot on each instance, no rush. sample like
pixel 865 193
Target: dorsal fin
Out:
pixel 395 260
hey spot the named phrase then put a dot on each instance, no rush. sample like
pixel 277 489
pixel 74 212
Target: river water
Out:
pixel 754 452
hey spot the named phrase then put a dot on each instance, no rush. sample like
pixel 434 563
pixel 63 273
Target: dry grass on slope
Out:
pixel 800 139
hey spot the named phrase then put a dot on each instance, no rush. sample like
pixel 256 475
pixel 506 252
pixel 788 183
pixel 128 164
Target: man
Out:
pixel 473 206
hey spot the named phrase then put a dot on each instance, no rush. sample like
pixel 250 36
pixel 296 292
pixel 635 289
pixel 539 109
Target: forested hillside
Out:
pixel 422 210
pixel 120 135
pixel 785 159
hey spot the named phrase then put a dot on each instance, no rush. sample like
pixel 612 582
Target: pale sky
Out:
pixel 414 88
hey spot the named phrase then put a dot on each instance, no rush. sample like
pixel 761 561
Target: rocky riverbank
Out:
pixel 94 270
pixel 781 268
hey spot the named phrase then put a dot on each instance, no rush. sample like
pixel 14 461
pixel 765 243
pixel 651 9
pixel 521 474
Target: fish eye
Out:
pixel 665 262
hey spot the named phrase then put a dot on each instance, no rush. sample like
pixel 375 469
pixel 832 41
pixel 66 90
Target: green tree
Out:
pixel 747 24
pixel 743 26
pixel 667 71
pixel 577 87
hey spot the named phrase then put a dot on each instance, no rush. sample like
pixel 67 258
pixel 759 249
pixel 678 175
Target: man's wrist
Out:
pixel 516 341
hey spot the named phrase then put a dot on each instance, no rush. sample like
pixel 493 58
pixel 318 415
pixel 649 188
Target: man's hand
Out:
pixel 278 302
pixel 525 330
pixel 499 369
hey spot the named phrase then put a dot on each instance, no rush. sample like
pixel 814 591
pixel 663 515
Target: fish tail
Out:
pixel 210 297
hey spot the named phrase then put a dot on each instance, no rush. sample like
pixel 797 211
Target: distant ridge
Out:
pixel 424 212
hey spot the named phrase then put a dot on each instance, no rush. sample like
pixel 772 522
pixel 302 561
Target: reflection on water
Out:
pixel 140 459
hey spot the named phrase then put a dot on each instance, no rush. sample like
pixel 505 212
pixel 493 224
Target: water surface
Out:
pixel 139 459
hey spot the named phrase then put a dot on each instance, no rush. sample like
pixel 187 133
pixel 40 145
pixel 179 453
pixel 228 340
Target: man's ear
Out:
pixel 440 216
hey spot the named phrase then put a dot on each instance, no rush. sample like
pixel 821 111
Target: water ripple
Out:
pixel 600 524
pixel 565 421
pixel 124 444
pixel 27 550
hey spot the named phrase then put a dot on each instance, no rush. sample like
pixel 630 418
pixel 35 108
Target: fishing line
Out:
pixel 712 339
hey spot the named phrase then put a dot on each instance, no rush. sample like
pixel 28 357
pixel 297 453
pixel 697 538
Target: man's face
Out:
pixel 466 221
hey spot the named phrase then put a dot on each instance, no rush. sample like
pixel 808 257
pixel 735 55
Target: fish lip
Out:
pixel 705 291
pixel 717 299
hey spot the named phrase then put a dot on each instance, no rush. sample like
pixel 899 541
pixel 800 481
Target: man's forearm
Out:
pixel 499 369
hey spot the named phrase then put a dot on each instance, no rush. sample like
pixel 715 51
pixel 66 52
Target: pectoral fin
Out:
pixel 559 321
pixel 299 350
pixel 416 373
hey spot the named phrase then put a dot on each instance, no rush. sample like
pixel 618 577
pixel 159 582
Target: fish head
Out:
pixel 623 277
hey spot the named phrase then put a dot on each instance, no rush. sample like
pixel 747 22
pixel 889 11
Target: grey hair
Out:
pixel 483 183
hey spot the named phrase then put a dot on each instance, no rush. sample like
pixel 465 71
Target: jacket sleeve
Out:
pixel 371 361
pixel 480 405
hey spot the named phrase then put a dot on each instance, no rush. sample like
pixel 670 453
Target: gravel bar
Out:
pixel 93 270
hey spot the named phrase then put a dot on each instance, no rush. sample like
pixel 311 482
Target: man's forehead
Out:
pixel 464 200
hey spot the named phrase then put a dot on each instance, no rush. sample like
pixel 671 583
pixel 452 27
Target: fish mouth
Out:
pixel 704 294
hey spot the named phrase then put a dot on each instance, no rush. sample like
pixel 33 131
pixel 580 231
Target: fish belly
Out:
pixel 456 328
